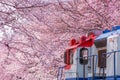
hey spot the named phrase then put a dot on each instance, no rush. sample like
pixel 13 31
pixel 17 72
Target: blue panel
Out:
pixel 104 35
pixel 96 78
pixel 115 28
pixel 112 78
pixel 106 31
pixel 90 78
pixel 76 79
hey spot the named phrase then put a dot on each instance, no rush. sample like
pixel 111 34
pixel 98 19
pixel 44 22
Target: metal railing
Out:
pixel 114 54
pixel 107 54
pixel 94 66
pixel 60 73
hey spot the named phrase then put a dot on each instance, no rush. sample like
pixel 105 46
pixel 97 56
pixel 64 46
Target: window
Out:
pixel 100 43
pixel 101 47
pixel 102 58
pixel 65 57
pixel 84 56
pixel 68 57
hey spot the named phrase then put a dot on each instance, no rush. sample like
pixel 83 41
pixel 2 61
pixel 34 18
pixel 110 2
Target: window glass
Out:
pixel 100 43
pixel 102 58
pixel 68 57
pixel 83 56
pixel 65 57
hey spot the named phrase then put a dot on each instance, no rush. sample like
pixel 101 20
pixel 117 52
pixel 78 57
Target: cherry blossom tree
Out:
pixel 35 33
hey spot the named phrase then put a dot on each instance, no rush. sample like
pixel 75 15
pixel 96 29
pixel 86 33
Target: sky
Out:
pixel 8 31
